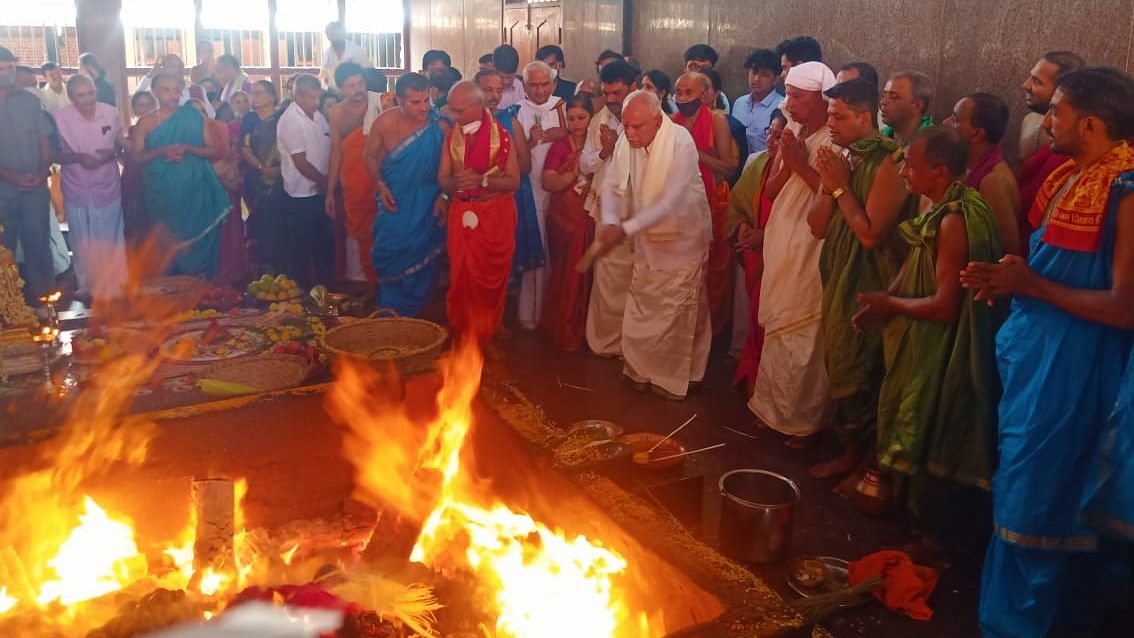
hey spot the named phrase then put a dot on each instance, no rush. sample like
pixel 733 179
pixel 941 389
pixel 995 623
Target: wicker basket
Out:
pixel 413 345
pixel 263 374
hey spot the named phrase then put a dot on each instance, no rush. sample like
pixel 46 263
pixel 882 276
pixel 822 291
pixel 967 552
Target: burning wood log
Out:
pixel 214 502
pixel 395 533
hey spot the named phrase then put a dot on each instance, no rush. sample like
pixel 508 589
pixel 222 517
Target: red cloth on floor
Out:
pixel 905 586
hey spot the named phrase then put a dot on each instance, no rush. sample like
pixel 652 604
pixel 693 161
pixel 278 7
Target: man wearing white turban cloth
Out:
pixel 791 385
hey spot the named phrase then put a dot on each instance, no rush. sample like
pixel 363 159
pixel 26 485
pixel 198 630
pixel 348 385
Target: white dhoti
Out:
pixel 352 269
pixel 99 248
pixel 667 331
pixel 791 384
pixel 533 283
pixel 607 305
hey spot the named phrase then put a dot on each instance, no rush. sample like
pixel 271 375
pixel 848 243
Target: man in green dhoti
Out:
pixel 865 200
pixel 937 405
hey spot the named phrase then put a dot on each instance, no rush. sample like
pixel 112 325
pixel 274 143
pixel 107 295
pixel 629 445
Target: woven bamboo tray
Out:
pixel 264 373
pixel 413 345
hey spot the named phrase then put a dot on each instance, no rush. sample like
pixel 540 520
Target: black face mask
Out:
pixel 688 109
pixel 214 96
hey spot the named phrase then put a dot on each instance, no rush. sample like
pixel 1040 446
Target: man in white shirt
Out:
pixel 543 121
pixel 341 50
pixel 607 305
pixel 173 65
pixel 506 61
pixel 654 177
pixel 304 140
pixel 53 95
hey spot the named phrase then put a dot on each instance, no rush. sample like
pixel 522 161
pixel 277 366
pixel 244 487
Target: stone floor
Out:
pixel 825 524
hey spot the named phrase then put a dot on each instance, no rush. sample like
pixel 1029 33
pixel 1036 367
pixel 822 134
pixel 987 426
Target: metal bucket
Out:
pixel 757 508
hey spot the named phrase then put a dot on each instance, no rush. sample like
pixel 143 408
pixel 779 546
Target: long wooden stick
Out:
pixel 668 436
pixel 674 456
pixel 589 257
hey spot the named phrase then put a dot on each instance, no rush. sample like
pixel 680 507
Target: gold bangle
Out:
pixel 838 192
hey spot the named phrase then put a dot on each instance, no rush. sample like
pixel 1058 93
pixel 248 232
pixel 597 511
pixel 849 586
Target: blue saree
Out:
pixel 186 197
pixel 529 246
pixel 408 241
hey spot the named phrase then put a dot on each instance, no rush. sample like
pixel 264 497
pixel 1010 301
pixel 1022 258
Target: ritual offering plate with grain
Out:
pixel 214 343
pixel 813 576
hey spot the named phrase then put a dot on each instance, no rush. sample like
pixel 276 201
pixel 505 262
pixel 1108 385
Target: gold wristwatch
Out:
pixel 837 193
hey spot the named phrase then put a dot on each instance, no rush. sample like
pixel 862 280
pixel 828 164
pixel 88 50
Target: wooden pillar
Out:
pixel 274 48
pixel 100 32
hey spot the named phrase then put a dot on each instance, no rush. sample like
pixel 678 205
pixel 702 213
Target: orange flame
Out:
pixel 545 583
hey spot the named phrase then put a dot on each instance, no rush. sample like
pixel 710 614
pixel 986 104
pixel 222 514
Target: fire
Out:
pixel 99 557
pixel 544 582
pixel 6 602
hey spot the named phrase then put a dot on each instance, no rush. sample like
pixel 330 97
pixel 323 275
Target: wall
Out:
pixel 964 45
pixel 589 28
pixel 468 29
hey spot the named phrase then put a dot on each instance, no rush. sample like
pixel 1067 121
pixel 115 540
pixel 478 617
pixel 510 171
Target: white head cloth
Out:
pixel 811 76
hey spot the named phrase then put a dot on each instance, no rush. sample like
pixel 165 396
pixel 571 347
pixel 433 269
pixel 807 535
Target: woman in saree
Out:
pixel 570 231
pixel 263 189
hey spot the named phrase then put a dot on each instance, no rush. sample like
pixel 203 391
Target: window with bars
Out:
pixel 42 31
pixel 237 28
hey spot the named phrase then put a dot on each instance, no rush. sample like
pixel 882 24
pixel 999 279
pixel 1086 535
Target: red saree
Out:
pixel 570 230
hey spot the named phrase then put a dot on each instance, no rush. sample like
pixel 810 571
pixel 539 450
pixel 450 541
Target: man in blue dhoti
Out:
pixel 403 151
pixel 1061 354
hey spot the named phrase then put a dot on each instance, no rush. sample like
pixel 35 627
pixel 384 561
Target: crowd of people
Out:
pixel 952 319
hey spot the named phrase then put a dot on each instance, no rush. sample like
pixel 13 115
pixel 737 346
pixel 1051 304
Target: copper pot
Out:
pixel 874 491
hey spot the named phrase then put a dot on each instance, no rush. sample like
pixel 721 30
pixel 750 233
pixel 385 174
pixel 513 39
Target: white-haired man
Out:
pixel 791 385
pixel 541 115
pixel 653 193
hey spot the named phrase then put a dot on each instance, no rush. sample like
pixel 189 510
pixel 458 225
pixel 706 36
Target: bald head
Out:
pixel 689 91
pixel 699 80
pixel 641 118
pixel 466 102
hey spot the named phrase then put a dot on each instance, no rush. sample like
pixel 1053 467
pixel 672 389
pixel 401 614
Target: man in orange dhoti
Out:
pixel 716 162
pixel 480 173
pixel 347 120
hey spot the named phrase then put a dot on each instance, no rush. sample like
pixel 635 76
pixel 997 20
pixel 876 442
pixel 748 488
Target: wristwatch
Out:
pixel 484 181
pixel 838 192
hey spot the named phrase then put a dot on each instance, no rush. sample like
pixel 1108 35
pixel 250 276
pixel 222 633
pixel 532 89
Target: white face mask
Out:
pixel 471 128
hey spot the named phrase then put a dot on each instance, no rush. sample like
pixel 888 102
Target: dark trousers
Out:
pixel 24 216
pixel 309 240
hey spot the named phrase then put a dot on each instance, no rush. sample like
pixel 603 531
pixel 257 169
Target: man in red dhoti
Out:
pixel 480 174
pixel 348 122
pixel 717 163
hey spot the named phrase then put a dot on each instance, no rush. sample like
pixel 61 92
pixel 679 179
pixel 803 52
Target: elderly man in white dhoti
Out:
pixel 791 384
pixel 654 194
pixel 542 116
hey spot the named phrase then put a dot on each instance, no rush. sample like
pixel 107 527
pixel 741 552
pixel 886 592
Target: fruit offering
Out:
pixel 267 288
pixel 286 307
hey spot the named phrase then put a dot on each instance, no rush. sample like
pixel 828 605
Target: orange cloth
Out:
pixel 359 199
pixel 1076 223
pixel 482 238
pixel 906 587
pixel 719 270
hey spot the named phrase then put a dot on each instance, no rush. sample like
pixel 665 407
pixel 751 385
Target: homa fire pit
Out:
pixel 439 490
